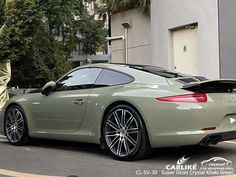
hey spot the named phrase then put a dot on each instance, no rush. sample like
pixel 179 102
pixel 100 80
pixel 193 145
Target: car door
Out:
pixel 63 109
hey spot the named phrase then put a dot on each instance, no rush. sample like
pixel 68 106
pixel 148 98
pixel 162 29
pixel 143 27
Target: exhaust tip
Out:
pixel 215 140
pixel 212 140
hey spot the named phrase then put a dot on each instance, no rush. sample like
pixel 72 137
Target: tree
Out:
pixel 49 62
pixel 62 23
pixel 2 12
pixel 114 6
pixel 22 20
pixel 36 54
pixel 91 32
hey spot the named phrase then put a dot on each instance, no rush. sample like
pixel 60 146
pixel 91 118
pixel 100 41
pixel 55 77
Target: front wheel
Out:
pixel 125 134
pixel 15 126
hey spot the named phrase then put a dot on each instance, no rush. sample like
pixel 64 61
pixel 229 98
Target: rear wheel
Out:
pixel 125 134
pixel 15 126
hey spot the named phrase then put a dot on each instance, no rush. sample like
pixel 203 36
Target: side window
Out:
pixel 110 78
pixel 79 79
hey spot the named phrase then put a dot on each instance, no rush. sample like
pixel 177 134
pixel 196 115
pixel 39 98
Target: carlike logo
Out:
pixel 181 165
pixel 180 168
pixel 182 160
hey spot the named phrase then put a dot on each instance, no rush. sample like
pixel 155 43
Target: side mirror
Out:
pixel 48 87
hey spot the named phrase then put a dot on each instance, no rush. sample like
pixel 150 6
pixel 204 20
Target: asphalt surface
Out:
pixel 56 158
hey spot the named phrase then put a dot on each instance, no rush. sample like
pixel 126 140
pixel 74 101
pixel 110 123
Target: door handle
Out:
pixel 79 101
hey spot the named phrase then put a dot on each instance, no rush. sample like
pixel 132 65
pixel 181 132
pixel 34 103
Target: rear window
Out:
pixel 158 71
pixel 183 78
pixel 111 77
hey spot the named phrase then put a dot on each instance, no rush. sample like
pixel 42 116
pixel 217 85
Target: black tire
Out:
pixel 129 134
pixel 15 126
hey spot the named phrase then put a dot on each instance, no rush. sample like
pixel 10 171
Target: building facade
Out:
pixel 138 37
pixel 185 36
pixel 195 37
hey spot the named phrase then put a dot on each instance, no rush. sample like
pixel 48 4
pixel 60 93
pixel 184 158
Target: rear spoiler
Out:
pixel 212 86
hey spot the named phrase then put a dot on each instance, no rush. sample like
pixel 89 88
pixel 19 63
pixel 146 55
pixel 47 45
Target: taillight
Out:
pixel 189 98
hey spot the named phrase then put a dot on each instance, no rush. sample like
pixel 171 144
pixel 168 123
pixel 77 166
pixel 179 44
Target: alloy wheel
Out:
pixel 122 132
pixel 14 125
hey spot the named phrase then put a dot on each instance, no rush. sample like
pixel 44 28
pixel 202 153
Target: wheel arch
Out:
pixel 12 104
pixel 8 107
pixel 112 105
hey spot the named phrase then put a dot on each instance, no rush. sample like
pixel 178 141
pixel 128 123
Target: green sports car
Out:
pixel 127 109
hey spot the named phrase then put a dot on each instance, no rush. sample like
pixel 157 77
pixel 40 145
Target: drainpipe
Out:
pixel 113 38
pixel 126 26
pixel 126 45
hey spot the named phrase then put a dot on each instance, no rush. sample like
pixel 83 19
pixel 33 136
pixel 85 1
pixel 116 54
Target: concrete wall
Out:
pixel 139 42
pixel 170 14
pixel 227 14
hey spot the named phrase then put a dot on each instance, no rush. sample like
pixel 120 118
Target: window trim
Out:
pixel 94 86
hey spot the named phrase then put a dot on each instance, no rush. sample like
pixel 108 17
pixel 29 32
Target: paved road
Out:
pixel 55 158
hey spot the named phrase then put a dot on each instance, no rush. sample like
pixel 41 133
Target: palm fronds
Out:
pixel 114 6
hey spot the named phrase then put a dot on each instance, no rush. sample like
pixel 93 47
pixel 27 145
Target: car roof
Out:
pixel 129 68
pixel 122 66
pixel 136 71
pixel 142 73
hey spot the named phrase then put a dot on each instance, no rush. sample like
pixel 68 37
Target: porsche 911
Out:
pixel 127 109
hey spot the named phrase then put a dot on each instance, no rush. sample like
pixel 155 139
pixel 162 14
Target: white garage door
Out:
pixel 185 50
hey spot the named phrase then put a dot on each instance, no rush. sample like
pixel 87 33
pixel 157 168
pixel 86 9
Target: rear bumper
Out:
pixel 192 138
pixel 215 138
pixel 181 124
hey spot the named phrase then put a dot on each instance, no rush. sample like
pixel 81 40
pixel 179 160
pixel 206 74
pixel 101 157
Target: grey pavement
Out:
pixel 56 158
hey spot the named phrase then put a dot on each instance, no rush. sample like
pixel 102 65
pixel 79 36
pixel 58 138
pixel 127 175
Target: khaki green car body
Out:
pixel 55 116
